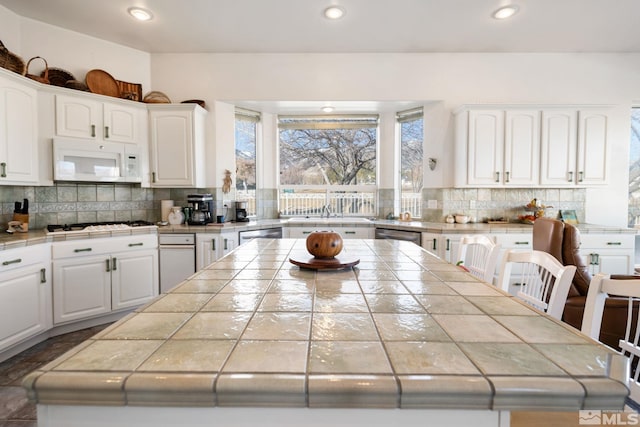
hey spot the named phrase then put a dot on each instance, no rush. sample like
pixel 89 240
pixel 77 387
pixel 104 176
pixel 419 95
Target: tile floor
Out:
pixel 15 409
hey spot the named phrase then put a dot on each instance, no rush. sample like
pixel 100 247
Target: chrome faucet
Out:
pixel 326 209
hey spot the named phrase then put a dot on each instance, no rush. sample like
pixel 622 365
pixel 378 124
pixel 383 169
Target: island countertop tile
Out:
pixel 403 329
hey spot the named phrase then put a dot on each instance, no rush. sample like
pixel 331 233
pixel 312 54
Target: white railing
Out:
pixel 411 202
pixel 360 204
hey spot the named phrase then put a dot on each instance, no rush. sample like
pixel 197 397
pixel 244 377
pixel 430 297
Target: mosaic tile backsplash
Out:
pixel 73 203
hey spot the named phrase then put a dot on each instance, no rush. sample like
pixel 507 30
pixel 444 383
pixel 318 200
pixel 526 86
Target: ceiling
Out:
pixel 293 26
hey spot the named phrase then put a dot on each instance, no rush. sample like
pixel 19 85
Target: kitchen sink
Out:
pixel 332 220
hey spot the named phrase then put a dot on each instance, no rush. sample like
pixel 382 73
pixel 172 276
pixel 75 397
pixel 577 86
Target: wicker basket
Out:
pixel 11 61
pixel 156 97
pixel 132 91
pixel 57 76
pixel 45 75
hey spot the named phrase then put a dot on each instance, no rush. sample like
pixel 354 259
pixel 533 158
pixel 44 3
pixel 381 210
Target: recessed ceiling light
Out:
pixel 327 109
pixel 334 12
pixel 506 12
pixel 140 14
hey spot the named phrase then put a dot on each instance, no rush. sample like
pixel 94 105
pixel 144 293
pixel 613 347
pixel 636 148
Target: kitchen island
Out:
pixel 401 338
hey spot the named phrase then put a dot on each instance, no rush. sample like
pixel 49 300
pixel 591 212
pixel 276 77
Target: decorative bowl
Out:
pixel 462 219
pixel 324 244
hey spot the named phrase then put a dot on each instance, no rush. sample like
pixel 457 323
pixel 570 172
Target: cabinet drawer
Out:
pixel 101 246
pixel 355 233
pixel 11 259
pixel 607 241
pixel 515 241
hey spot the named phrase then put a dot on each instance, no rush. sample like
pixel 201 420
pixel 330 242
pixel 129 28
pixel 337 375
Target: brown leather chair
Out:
pixel 563 242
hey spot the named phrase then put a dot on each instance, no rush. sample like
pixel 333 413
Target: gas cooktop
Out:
pixel 97 226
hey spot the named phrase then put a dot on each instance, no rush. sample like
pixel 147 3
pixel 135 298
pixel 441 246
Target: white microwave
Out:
pixel 85 160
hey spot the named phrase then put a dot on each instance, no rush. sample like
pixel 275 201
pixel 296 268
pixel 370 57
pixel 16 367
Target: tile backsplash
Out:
pixel 74 203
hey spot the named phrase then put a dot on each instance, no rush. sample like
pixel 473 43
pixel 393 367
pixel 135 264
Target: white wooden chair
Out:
pixel 600 288
pixel 478 254
pixel 542 281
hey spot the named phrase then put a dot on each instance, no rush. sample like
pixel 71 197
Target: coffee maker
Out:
pixel 202 209
pixel 241 212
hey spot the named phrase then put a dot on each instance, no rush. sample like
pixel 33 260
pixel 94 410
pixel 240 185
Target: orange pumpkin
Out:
pixel 324 244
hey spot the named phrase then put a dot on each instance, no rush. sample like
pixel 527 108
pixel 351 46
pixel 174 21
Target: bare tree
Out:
pixel 412 154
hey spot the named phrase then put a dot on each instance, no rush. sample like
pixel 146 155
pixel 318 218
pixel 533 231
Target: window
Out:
pixel 328 162
pixel 411 160
pixel 634 169
pixel 245 135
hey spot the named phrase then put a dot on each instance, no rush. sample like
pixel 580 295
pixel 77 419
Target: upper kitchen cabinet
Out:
pixel 18 130
pixel 530 147
pixel 574 147
pixel 92 118
pixel 177 133
pixel 497 148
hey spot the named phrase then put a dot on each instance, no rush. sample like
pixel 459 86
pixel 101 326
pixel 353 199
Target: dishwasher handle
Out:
pixel 190 247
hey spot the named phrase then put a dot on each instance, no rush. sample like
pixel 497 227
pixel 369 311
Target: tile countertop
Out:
pixel 403 329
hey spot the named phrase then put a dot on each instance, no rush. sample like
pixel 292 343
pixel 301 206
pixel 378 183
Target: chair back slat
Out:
pixel 479 255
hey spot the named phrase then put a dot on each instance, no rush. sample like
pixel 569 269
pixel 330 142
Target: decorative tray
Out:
pixel 336 263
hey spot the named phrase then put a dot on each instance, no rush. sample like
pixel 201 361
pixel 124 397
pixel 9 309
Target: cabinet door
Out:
pixel 206 250
pixel 558 151
pixel 485 147
pixel 134 278
pixel 522 148
pixel 592 147
pixel 227 243
pixel 25 304
pixel 78 117
pixel 81 288
pixel 18 133
pixel 451 248
pixel 121 123
pixel 171 148
pixel 432 242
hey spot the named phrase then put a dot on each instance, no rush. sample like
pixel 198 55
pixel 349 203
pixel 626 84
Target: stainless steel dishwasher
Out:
pixel 409 236
pixel 265 233
pixel 177 259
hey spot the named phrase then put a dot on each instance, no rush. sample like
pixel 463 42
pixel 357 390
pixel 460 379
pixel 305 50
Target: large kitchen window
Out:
pixel 411 126
pixel 246 134
pixel 634 169
pixel 328 164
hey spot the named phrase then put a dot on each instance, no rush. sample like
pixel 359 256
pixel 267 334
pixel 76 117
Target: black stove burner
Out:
pixel 81 226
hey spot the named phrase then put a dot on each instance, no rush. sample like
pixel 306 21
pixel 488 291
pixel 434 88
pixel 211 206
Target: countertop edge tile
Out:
pixel 353 391
pixel 78 388
pixel 262 390
pixel 445 391
pixel 170 389
pixel 537 393
pixel 603 393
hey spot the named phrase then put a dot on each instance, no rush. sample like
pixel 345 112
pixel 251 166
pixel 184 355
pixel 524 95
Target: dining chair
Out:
pixel 542 281
pixel 601 286
pixel 478 255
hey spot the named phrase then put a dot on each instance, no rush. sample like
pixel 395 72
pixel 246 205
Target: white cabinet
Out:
pixel 25 293
pixel 97 276
pixel 18 132
pixel 177 145
pixel 608 253
pixel 533 147
pixel 211 247
pixel 432 242
pixel 345 231
pixel 87 118
pixel 574 147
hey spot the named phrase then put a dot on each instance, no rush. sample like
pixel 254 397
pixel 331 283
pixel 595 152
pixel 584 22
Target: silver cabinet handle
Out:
pixel 153 177
pixel 106 132
pixel 225 245
pixel 306 232
pixel 448 245
pixel 114 264
pixel 506 176
pixel 108 265
pixel 497 176
pixel 614 243
pixel 43 275
pixel 3 173
pixel 521 243
pixel 93 131
pixel 580 176
pixel 83 250
pixel 570 176
pixel 349 232
pixel 13 261
pixel 135 244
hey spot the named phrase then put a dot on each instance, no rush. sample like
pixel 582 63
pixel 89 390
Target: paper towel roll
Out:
pixel 165 208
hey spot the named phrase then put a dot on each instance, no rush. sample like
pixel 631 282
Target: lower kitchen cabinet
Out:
pixel 608 253
pixel 97 276
pixel 211 247
pixel 25 293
